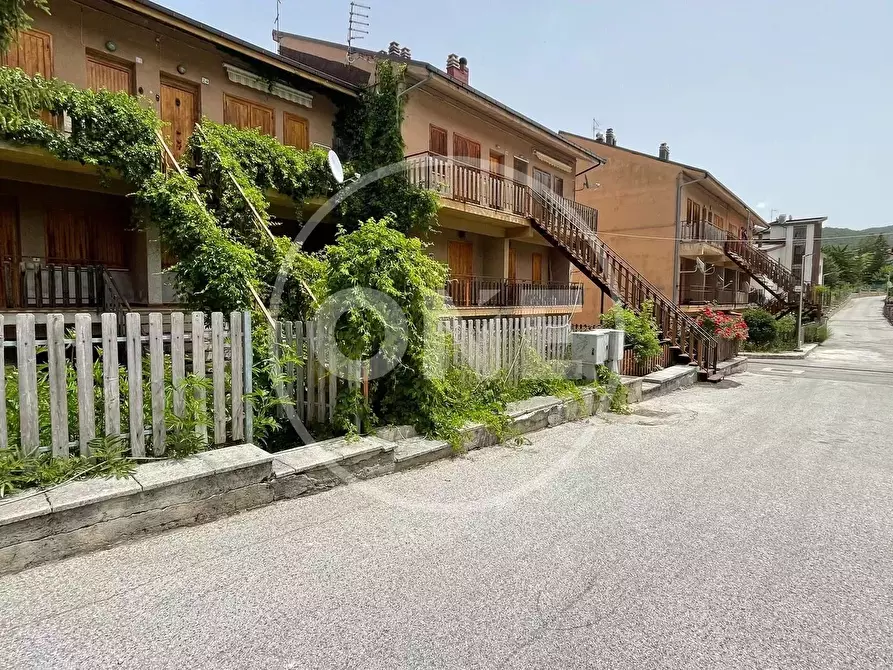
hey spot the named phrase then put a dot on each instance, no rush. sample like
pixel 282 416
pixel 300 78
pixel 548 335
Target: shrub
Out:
pixel 640 328
pixel 761 326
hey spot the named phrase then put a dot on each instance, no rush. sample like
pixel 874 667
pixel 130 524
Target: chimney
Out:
pixel 664 153
pixel 610 140
pixel 406 53
pixel 457 68
pixel 394 49
pixel 600 137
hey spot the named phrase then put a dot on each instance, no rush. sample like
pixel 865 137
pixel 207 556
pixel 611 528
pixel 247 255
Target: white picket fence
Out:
pixel 223 350
pixel 489 345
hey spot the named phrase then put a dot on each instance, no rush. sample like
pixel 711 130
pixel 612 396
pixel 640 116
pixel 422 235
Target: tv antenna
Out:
pixel 596 127
pixel 276 22
pixel 357 28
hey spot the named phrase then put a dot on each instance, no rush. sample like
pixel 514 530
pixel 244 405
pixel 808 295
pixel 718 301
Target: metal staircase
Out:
pixel 567 231
pixel 774 277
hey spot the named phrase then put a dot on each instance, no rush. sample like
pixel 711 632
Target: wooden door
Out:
pixel 461 262
pixel 466 169
pixel 497 186
pixel 179 111
pixel 109 75
pixel 536 267
pixel 9 251
pixel 32 52
pixel 262 118
pixel 437 140
pixel 542 177
pixel 296 131
pixel 512 274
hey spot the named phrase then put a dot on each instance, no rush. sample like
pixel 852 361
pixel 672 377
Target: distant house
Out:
pixel 791 241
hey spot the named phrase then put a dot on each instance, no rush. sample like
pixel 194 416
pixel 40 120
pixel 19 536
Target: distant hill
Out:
pixel 831 235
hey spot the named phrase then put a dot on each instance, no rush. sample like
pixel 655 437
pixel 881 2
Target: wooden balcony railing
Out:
pixel 30 284
pixel 496 292
pixel 462 182
pixel 702 231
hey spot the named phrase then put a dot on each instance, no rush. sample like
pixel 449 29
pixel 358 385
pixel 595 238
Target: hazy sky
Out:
pixel 788 102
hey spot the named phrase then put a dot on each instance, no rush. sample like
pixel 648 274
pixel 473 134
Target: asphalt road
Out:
pixel 742 525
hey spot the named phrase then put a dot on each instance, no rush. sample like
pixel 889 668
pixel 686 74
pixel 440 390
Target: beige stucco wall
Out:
pixel 75 28
pixel 636 199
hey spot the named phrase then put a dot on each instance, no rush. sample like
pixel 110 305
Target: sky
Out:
pixel 788 102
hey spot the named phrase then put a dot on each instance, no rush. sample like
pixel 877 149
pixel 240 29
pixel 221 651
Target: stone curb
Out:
pixel 784 355
pixel 79 516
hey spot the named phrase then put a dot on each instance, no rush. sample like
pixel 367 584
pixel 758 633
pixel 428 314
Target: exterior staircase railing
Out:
pixel 562 226
pixel 772 276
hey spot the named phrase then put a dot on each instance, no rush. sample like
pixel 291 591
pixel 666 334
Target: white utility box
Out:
pixel 602 346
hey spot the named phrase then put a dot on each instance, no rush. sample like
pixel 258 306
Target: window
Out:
pixel 297 131
pixel 246 114
pixel 437 141
pixel 799 232
pixel 542 177
pixel 466 150
pixel 32 52
pixel 111 75
pixel 693 212
pixel 719 222
pixel 558 185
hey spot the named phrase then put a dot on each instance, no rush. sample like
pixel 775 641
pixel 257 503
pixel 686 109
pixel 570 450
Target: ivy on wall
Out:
pixel 369 136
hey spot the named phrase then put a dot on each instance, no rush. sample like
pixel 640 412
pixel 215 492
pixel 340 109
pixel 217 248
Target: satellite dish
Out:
pixel 699 264
pixel 336 167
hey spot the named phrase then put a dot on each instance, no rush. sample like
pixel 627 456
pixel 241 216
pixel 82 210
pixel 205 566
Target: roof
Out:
pixel 700 173
pixel 437 72
pixel 807 220
pixel 206 32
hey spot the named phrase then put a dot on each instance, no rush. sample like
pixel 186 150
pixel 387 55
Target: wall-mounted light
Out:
pixel 181 68
pixel 111 46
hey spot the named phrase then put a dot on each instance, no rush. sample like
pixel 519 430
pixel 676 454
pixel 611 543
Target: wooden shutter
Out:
pixel 32 52
pixel 263 118
pixel 86 235
pixel 437 142
pixel 466 150
pixel 179 111
pixel 108 75
pixel 461 259
pixel 236 112
pixel 542 177
pixel 297 131
pixel 246 114
pixel 536 269
pixel 558 185
pixel 512 274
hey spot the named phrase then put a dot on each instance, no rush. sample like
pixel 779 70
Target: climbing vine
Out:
pixel 14 18
pixel 369 136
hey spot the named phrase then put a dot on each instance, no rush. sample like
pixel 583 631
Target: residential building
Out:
pixel 796 244
pixel 481 157
pixel 60 222
pixel 665 218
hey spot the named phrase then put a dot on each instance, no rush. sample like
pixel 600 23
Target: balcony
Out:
pixel 701 295
pixel 487 292
pixel 701 239
pixel 27 285
pixel 465 183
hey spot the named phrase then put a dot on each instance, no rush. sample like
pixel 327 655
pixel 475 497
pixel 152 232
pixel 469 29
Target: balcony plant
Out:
pixel 723 326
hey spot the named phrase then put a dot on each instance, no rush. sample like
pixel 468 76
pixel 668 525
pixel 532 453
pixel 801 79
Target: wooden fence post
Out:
pixel 111 384
pixel 198 370
pixel 248 367
pixel 4 427
pixel 218 372
pixel 237 376
pixel 135 383
pixel 57 380
pixel 156 382
pixel 83 345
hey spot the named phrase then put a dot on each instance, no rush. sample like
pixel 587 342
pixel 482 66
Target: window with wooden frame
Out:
pixel 438 140
pixel 243 113
pixel 31 52
pixel 693 212
pixel 110 74
pixel 558 185
pixel 296 131
pixel 466 150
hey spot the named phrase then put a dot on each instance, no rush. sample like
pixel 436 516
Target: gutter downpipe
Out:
pixel 680 183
